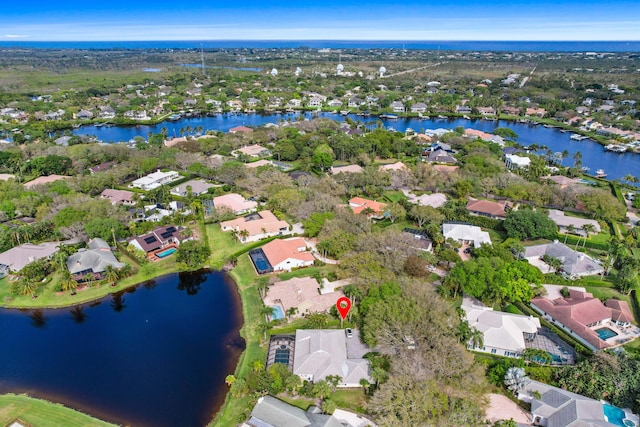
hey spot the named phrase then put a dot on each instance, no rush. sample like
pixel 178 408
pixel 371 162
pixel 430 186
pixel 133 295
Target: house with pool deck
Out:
pixel 92 261
pixel 287 254
pixel 555 407
pixel 161 241
pixel 594 324
pixel 256 226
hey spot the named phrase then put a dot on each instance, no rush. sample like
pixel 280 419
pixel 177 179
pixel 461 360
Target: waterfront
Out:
pixel 594 156
pixel 154 355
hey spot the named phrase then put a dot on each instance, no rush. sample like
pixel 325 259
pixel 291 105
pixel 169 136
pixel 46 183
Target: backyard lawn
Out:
pixel 40 413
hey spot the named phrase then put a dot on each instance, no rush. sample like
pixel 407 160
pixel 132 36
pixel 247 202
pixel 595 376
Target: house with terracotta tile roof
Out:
pixel 488 208
pixel 116 197
pixel 256 226
pixel 302 293
pixel 586 318
pixel 242 129
pixel 286 254
pixel 398 166
pixel 376 210
pixel 236 203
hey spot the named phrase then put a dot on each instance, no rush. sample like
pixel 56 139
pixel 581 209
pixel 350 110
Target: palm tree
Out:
pixel 577 160
pixel 570 229
pixel 268 311
pixel 68 282
pixel 587 228
pixel 630 178
pixel 365 384
pixel 263 286
pixel 264 327
pixel 291 311
pixel 26 286
pixel 243 234
pixel 111 274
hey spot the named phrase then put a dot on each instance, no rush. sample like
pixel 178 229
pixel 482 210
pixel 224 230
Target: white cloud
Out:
pixel 16 36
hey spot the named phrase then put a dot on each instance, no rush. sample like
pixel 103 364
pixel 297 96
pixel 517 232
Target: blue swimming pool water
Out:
pixel 277 312
pixel 605 333
pixel 166 253
pixel 616 416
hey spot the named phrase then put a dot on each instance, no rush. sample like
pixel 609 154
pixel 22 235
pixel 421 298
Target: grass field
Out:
pixel 40 413
pixel 222 245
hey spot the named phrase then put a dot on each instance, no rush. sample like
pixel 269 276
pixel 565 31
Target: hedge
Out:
pixel 572 240
pixel 635 304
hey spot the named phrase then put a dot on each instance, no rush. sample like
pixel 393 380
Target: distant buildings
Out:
pixel 14 260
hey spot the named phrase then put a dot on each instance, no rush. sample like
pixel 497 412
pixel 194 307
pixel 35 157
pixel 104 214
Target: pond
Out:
pixel 154 355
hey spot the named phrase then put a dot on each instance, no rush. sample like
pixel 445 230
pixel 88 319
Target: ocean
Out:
pixel 444 45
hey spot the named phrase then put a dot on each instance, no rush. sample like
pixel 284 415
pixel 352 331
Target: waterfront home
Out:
pixel 487 111
pixel 322 352
pixel 512 111
pixel 489 137
pixel 538 112
pixel 488 208
pixel 287 254
pixel 397 107
pixel 44 180
pixel 17 257
pixel 564 222
pixel 419 107
pixel 573 264
pixel 463 109
pixel 236 203
pixel 355 102
pixel 465 234
pixel 587 319
pixel 83 115
pixel 198 187
pixel 504 334
pixel 160 238
pixel 513 161
pixel 93 260
pixel 118 197
pixel 256 226
pixel 334 103
pixel 371 208
pixel 155 180
pixel 270 411
pixel 302 294
pixel 253 150
pixel 314 102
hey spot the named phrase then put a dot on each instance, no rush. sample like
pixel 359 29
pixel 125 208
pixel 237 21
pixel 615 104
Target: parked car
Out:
pixel 349 332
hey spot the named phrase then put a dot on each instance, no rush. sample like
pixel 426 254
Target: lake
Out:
pixel 593 154
pixel 154 355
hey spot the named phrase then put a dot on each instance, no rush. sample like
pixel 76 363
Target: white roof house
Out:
pixel 155 180
pixel 322 352
pixel 563 221
pixel 504 334
pixel 198 188
pixel 517 162
pixel 574 264
pixel 466 233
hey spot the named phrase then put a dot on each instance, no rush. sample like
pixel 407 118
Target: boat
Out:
pixel 577 137
pixel 344 112
pixel 466 117
pixel 616 148
pixel 440 116
pixel 585 169
pixel 389 116
pixel 600 173
pixel 174 117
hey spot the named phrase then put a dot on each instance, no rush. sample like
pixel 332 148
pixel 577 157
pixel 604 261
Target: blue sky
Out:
pixel 116 20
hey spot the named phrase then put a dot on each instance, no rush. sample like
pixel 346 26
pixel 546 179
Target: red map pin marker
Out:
pixel 343 305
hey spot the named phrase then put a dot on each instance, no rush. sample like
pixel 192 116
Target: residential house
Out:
pixel 17 257
pixel 419 107
pixel 335 103
pixel 160 238
pixel 83 115
pixel 236 203
pixel 44 180
pixel 463 109
pixel 466 234
pixel 371 208
pixel 355 102
pixel 136 115
pixel 106 112
pixel 488 208
pixel 314 102
pixel 504 334
pixel 198 187
pixel 512 111
pixel 434 200
pixel 564 222
pixel 272 412
pixel 256 226
pixel 322 352
pixel 513 162
pixel 487 111
pixel 574 264
pixel 421 239
pixel 489 137
pixel 155 180
pixel 253 150
pixel 102 167
pixel 116 197
pixel 287 254
pixel 241 129
pixel 439 156
pixel 585 317
pixel 555 407
pixel 93 260
pixel 397 107
pixel 303 294
pixel 294 103
pixel 539 112
pixel 561 181
pixel 398 166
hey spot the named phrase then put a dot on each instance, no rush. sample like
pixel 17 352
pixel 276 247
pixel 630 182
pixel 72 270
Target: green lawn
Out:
pixel 308 271
pixel 352 399
pixel 222 245
pixel 393 196
pixel 40 413
pixel 606 293
pixel 236 410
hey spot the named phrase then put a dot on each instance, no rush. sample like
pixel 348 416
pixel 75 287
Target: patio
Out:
pixel 561 352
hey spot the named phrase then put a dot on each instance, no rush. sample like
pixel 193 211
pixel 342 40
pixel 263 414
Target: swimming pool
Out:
pixel 605 333
pixel 616 416
pixel 277 312
pixel 166 253
pixel 260 261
